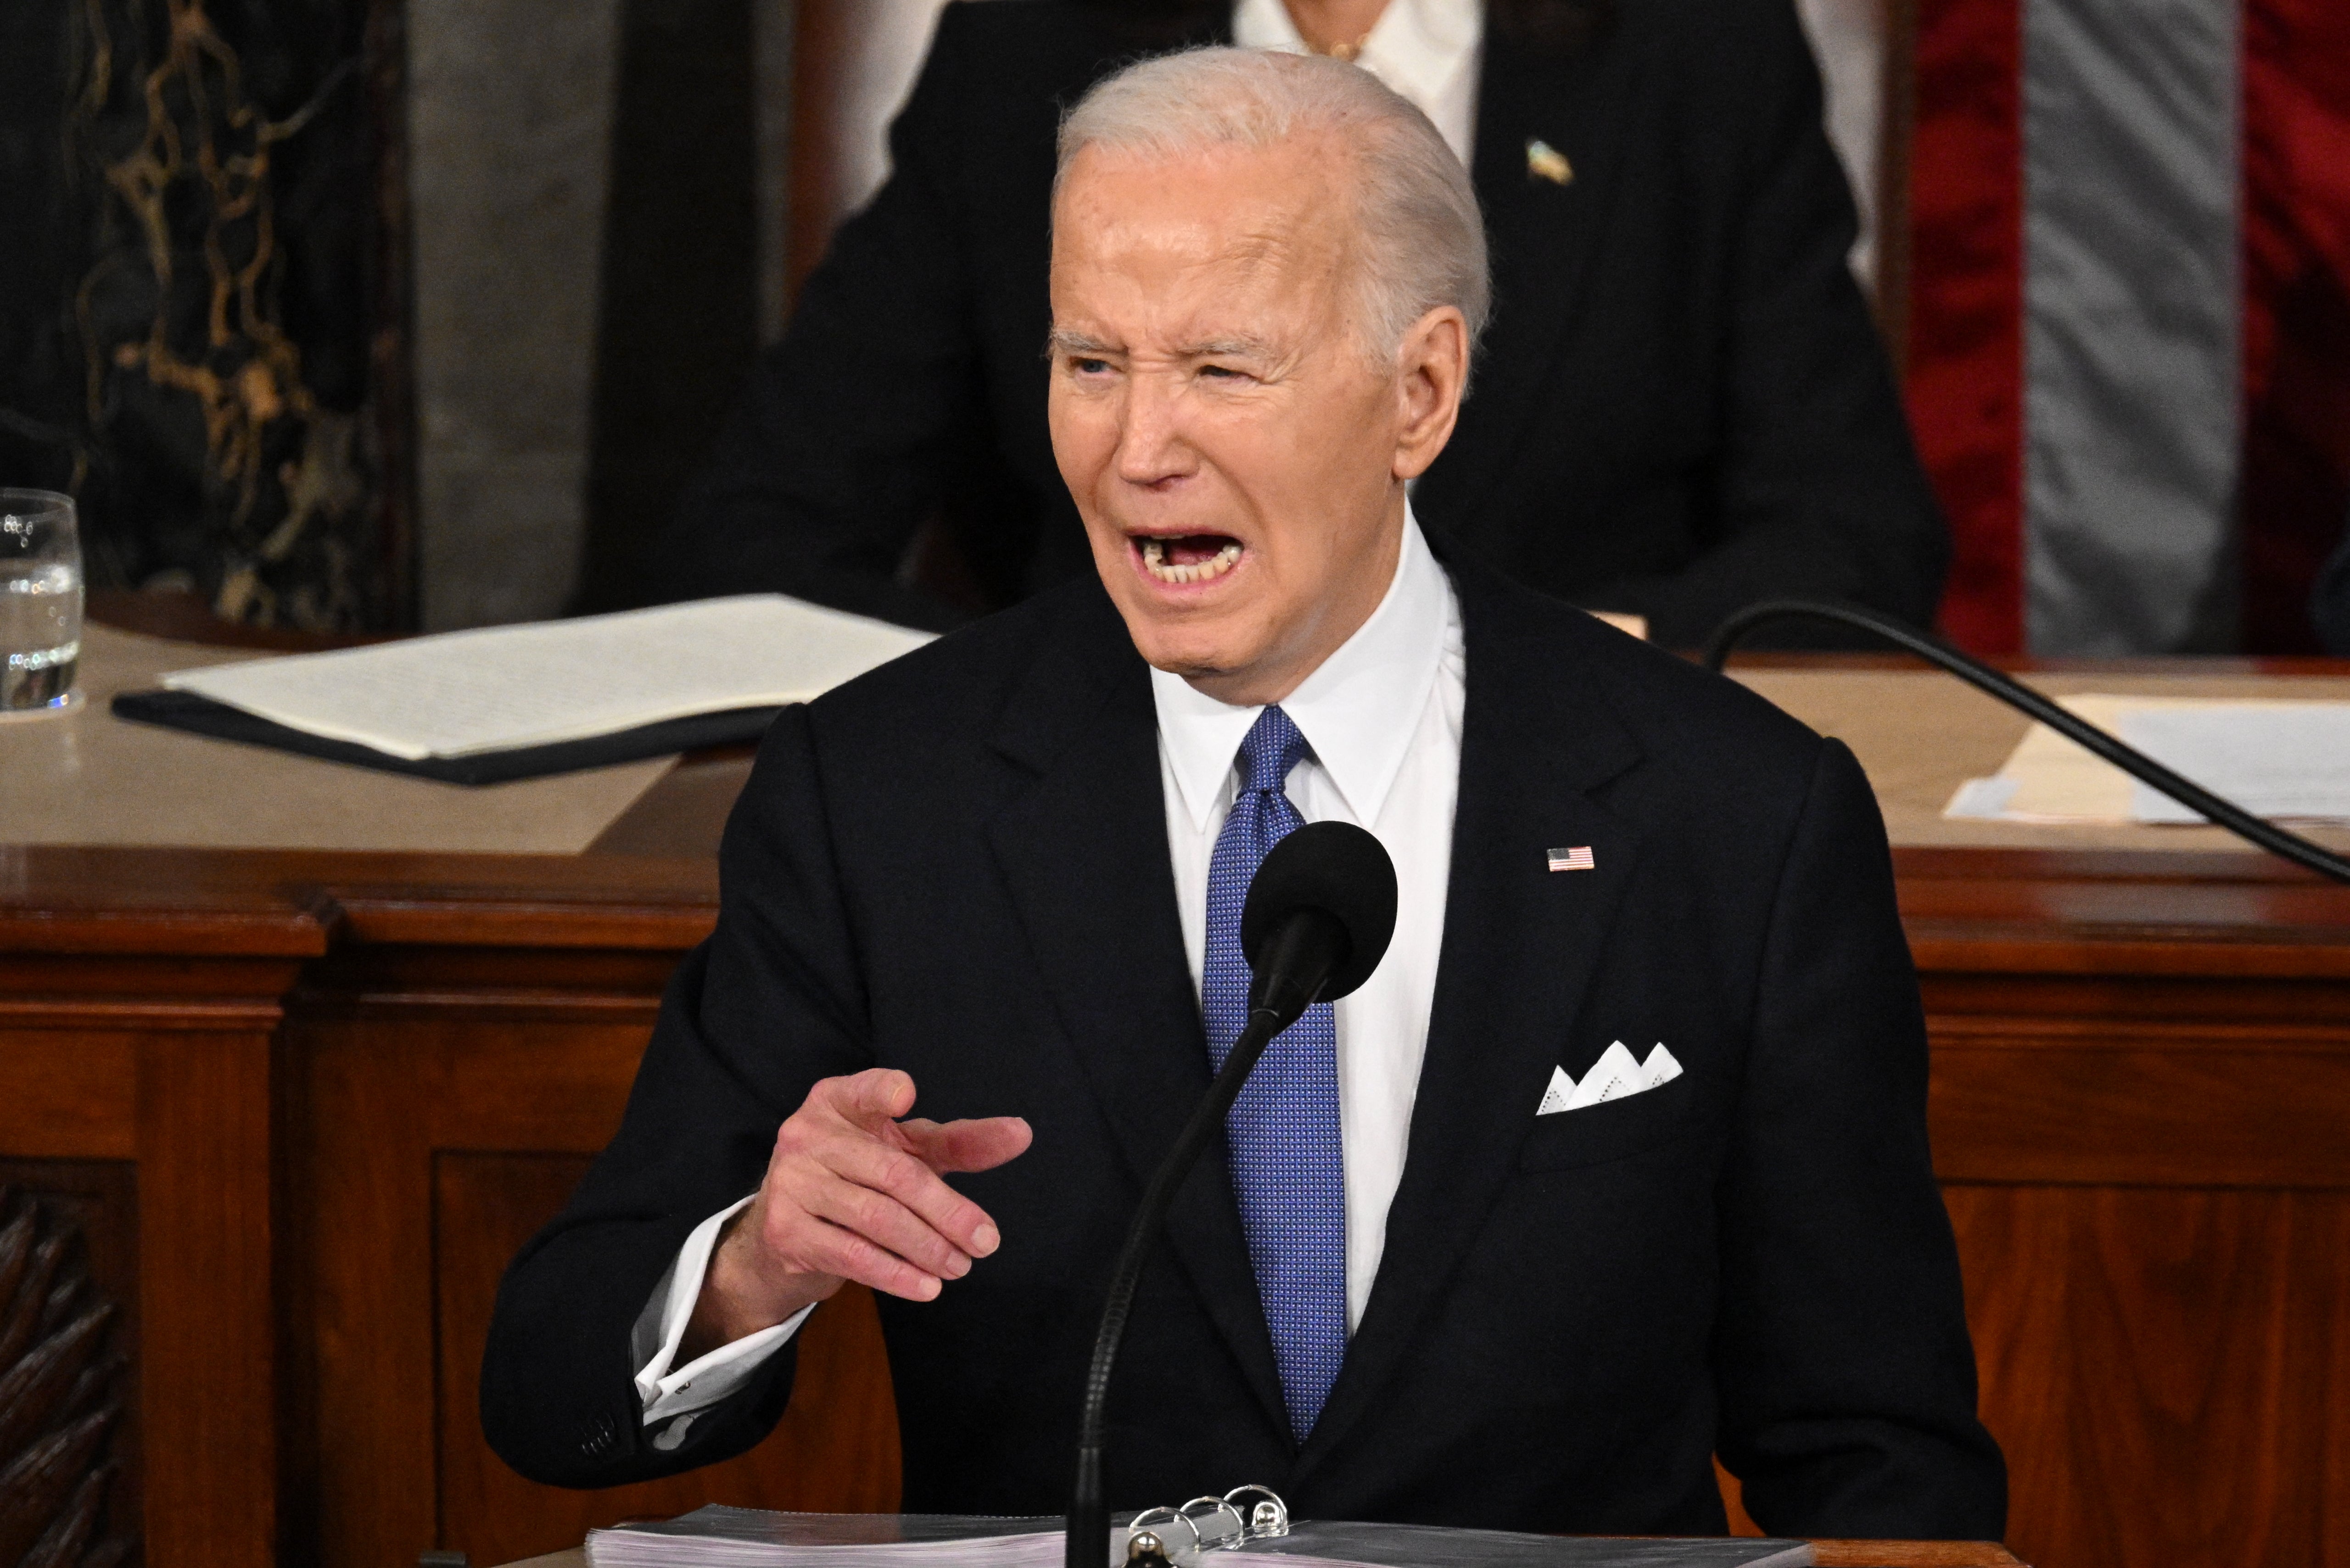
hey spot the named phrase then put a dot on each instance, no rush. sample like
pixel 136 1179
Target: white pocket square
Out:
pixel 1611 1077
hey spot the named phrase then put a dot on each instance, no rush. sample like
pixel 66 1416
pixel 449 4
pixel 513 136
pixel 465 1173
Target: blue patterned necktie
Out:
pixel 1289 1169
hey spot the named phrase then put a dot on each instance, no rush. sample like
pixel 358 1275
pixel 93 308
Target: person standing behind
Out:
pixel 1683 407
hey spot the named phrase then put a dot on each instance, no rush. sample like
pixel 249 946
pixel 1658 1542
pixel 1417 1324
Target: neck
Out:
pixel 1334 26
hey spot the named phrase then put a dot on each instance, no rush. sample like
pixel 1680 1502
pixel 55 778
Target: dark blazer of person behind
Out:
pixel 1682 405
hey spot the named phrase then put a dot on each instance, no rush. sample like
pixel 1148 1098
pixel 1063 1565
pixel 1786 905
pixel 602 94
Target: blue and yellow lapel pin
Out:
pixel 1544 162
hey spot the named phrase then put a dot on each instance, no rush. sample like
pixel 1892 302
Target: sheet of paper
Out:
pixel 2278 757
pixel 719 1536
pixel 2278 760
pixel 500 686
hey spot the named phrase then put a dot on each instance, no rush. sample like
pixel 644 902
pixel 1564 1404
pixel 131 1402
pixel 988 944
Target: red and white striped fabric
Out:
pixel 2129 316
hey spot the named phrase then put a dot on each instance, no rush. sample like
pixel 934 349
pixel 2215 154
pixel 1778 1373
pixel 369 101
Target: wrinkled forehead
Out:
pixel 1262 222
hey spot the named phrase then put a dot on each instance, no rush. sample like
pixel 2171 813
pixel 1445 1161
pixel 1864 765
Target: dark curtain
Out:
pixel 678 324
pixel 195 292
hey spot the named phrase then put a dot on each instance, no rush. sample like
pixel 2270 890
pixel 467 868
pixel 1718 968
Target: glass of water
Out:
pixel 40 603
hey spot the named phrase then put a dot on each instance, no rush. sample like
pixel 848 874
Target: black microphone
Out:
pixel 1319 913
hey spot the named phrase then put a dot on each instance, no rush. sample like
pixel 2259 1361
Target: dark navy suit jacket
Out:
pixel 958 866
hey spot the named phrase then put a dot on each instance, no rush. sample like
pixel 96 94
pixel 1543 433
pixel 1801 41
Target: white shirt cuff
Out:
pixel 672 1398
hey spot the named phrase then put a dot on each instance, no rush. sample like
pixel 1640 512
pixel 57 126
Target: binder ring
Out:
pixel 1216 1522
pixel 1262 1507
pixel 1156 1518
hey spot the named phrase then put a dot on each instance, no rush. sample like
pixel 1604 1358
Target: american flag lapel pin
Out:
pixel 1575 859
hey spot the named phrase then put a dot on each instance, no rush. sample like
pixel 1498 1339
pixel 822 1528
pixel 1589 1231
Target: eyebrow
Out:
pixel 1223 347
pixel 1060 340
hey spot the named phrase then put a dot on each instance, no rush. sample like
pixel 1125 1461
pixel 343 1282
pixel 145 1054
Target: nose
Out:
pixel 1151 448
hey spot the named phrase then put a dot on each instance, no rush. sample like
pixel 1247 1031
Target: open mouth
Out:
pixel 1189 558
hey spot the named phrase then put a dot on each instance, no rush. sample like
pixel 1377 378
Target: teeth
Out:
pixel 1155 562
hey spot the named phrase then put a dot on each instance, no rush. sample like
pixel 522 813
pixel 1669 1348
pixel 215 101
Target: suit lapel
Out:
pixel 1519 949
pixel 1083 852
pixel 1543 236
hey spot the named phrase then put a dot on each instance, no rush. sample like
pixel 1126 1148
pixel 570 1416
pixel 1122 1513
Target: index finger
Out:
pixel 982 1143
pixel 898 1174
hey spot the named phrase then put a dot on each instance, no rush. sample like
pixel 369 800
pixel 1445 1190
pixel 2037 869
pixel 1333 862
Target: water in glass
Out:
pixel 40 601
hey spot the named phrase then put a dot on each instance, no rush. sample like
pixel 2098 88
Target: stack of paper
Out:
pixel 2290 761
pixel 720 1537
pixel 2279 759
pixel 464 693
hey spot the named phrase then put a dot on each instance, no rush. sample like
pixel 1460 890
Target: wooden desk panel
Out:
pixel 450 1094
pixel 836 1449
pixel 2140 1107
pixel 149 1154
pixel 2155 1364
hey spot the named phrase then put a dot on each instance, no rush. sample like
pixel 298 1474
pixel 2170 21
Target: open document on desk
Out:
pixel 502 702
pixel 721 1537
pixel 2284 759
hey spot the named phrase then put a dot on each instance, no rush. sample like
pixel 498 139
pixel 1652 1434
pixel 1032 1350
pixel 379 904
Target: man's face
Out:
pixel 1239 462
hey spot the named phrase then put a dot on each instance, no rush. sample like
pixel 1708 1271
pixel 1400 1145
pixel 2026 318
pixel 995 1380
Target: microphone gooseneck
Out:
pixel 1319 913
pixel 2225 813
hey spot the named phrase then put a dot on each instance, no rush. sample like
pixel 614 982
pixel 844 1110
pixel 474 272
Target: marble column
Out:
pixel 510 115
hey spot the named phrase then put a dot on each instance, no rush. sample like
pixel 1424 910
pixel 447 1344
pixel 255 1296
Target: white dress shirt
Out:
pixel 1382 717
pixel 1382 720
pixel 1428 50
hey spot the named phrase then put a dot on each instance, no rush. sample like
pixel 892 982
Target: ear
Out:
pixel 1432 372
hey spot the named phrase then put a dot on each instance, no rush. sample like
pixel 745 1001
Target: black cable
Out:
pixel 2015 694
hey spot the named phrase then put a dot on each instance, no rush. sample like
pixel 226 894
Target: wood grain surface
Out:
pixel 1913 1554
pixel 836 1449
pixel 162 1066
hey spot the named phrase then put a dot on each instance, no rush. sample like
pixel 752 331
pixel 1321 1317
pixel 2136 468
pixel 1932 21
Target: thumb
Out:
pixel 981 1144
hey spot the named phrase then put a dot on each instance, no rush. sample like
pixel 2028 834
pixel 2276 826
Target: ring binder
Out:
pixel 721 1537
pixel 1243 1514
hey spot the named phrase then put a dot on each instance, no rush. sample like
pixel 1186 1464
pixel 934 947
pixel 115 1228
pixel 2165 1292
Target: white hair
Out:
pixel 1423 238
